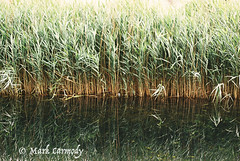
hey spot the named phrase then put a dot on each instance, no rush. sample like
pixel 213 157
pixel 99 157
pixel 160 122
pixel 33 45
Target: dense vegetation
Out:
pixel 123 47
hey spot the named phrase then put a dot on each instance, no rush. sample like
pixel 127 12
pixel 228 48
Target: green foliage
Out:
pixel 125 47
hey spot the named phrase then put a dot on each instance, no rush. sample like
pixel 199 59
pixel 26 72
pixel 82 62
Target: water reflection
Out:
pixel 120 128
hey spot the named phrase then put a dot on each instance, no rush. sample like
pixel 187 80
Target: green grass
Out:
pixel 125 47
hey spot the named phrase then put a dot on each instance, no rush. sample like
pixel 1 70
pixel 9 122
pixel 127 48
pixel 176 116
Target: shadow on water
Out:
pixel 118 129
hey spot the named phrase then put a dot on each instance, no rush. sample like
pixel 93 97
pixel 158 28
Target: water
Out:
pixel 118 129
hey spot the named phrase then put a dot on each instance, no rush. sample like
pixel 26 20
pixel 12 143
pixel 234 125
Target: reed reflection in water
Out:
pixel 120 128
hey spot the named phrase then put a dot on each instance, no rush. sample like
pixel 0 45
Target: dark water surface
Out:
pixel 118 129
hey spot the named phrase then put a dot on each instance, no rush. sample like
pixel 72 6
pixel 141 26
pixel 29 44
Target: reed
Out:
pixel 120 48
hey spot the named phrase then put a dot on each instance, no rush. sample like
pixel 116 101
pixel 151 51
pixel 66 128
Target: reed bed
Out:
pixel 127 48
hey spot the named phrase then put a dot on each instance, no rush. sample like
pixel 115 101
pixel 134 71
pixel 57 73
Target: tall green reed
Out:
pixel 121 47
